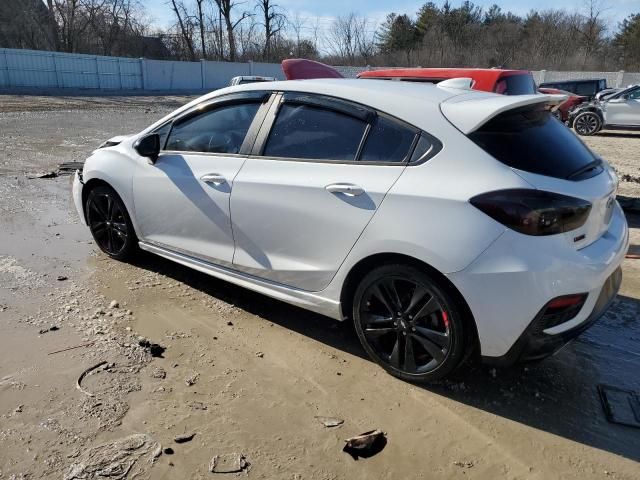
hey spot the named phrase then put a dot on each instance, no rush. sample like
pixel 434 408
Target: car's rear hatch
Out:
pixel 521 133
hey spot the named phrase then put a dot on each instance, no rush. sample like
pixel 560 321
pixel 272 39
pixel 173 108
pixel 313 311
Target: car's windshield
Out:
pixel 632 93
pixel 518 84
pixel 253 80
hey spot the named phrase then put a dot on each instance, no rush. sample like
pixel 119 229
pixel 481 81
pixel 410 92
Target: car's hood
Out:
pixel 113 141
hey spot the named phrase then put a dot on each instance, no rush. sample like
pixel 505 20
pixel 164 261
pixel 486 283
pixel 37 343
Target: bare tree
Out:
pixel 593 28
pixel 341 37
pixel 185 25
pixel 27 24
pixel 74 17
pixel 114 22
pixel 226 9
pixel 201 26
pixel 297 23
pixel 273 22
pixel 349 38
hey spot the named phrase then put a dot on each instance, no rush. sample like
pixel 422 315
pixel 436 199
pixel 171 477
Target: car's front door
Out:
pixel 182 200
pixel 624 110
pixel 320 169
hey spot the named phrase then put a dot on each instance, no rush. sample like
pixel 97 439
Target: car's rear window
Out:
pixel 531 139
pixel 519 84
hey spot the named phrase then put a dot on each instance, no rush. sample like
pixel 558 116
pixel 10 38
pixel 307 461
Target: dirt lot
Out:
pixel 246 374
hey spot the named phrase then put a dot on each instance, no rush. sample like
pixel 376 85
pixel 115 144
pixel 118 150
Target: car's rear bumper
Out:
pixel 508 285
pixel 535 344
pixel 77 195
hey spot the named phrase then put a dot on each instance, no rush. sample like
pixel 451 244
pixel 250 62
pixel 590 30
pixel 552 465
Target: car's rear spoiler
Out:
pixel 470 111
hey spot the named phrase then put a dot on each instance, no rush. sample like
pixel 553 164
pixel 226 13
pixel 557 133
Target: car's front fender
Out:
pixel 116 168
pixel 78 184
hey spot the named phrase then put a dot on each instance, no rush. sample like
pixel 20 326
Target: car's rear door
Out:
pixel 319 170
pixel 182 200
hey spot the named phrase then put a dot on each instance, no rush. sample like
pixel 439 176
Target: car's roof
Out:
pixel 395 98
pixel 353 89
pixel 419 72
pixel 484 78
pixel 581 80
pixel 252 76
pixel 417 103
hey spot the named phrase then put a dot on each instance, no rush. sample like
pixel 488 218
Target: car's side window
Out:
pixel 424 147
pixel 312 132
pixel 634 95
pixel 219 130
pixel 388 141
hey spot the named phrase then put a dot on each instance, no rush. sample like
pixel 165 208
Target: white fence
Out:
pixel 40 70
pixel 52 70
pixel 614 79
pixel 31 68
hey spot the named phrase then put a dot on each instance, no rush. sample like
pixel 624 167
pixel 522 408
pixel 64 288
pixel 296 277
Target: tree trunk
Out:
pixel 201 21
pixel 185 35
pixel 230 37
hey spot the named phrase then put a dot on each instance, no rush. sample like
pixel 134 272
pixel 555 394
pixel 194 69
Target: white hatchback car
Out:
pixel 441 221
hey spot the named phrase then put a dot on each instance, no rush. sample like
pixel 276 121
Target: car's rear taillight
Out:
pixel 534 212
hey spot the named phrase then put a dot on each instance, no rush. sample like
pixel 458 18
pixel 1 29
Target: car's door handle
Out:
pixel 214 178
pixel 346 188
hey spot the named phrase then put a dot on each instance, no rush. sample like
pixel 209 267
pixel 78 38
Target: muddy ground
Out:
pixel 246 374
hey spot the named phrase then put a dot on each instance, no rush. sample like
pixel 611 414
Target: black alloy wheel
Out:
pixel 409 323
pixel 587 123
pixel 109 223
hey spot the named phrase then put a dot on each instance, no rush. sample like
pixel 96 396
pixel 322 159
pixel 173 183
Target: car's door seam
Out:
pixel 364 228
pixel 274 95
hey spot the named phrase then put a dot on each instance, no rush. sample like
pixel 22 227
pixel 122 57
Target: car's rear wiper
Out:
pixel 587 168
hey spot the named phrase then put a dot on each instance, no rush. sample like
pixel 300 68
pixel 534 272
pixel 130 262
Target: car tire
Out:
pixel 110 223
pixel 587 123
pixel 409 323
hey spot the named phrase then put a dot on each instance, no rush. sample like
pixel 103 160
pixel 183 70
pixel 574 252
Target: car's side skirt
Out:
pixel 307 300
pixel 621 127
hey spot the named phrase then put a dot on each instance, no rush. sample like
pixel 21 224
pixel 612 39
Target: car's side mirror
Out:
pixel 148 146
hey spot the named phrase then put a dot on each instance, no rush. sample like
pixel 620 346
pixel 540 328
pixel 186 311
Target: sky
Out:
pixel 376 10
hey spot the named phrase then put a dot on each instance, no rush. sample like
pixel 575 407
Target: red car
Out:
pixel 562 112
pixel 507 82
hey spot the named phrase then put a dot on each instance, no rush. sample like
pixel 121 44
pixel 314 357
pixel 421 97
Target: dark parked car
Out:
pixel 584 88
